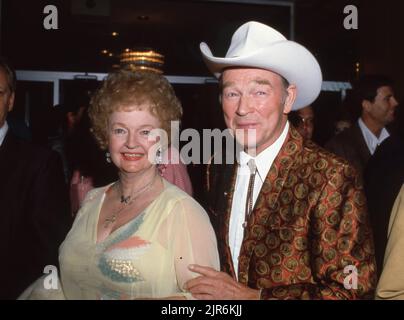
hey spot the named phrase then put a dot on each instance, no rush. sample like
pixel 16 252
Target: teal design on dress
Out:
pixel 113 263
pixel 130 229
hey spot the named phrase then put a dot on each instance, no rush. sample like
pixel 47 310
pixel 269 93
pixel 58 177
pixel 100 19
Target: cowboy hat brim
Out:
pixel 286 58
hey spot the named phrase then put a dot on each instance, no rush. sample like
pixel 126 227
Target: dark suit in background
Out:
pixel 350 144
pixel 34 213
pixel 384 176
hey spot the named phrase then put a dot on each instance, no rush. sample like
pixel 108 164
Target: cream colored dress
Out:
pixel 146 258
pixel 391 283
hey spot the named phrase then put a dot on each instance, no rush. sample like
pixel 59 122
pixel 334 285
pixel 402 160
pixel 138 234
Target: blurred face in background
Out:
pixel 6 97
pixel 342 125
pixel 306 124
pixel 73 118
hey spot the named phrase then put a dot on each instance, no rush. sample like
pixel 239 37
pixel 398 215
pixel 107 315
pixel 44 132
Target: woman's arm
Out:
pixel 193 241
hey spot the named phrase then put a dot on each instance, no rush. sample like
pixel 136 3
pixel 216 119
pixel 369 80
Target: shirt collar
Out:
pixel 3 132
pixel 265 159
pixel 371 140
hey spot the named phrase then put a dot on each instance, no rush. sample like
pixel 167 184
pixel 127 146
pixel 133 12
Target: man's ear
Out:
pixel 366 105
pixel 290 98
pixel 11 102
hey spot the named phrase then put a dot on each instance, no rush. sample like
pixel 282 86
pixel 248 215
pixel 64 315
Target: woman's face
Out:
pixel 130 138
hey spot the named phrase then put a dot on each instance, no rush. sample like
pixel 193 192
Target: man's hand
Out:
pixel 215 285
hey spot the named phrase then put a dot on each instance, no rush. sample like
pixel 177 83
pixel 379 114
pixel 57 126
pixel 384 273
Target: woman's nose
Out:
pixel 131 142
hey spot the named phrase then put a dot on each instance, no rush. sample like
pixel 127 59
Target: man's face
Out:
pixel 255 99
pixel 381 110
pixel 306 126
pixel 6 98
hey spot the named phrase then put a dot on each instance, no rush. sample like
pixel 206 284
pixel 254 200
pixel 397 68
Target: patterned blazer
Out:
pixel 308 224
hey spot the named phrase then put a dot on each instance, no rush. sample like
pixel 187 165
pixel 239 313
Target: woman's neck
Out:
pixel 131 183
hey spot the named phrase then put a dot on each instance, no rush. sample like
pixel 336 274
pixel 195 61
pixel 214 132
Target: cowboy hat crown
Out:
pixel 257 45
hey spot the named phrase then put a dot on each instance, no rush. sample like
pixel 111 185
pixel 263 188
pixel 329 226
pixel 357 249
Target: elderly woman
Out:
pixel 135 238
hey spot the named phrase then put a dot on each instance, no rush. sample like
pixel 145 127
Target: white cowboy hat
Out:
pixel 259 46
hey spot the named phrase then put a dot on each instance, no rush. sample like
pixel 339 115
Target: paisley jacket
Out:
pixel 308 236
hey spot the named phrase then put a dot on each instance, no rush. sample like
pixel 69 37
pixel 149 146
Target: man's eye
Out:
pixel 231 94
pixel 260 93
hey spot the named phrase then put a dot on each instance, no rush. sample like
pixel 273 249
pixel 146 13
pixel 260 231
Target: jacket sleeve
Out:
pixel 50 211
pixel 341 244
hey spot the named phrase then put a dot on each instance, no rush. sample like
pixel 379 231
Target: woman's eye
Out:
pixel 145 132
pixel 119 131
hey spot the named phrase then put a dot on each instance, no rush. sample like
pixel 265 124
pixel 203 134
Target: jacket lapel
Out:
pixel 267 201
pixel 9 159
pixel 363 149
pixel 223 195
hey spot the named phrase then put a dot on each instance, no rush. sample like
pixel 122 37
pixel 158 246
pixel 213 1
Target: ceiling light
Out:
pixel 142 59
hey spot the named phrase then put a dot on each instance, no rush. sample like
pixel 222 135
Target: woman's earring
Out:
pixel 159 156
pixel 108 157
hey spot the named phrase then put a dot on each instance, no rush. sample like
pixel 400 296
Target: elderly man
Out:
pixel 291 221
pixel 34 212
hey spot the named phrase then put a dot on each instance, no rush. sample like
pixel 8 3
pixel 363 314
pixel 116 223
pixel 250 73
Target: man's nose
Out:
pixel 244 106
pixel 395 102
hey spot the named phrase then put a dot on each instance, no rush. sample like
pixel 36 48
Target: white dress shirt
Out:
pixel 371 140
pixel 263 162
pixel 3 132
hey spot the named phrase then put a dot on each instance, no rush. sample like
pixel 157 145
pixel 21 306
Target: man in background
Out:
pixel 34 209
pixel 303 121
pixel 375 96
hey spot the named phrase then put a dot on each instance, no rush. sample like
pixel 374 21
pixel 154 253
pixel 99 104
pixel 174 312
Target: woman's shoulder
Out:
pixel 173 193
pixel 174 197
pixel 94 196
pixel 96 193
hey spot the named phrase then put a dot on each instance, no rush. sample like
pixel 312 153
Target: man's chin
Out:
pixel 248 146
pixel 247 141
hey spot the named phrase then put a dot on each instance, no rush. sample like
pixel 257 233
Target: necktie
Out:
pixel 250 190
